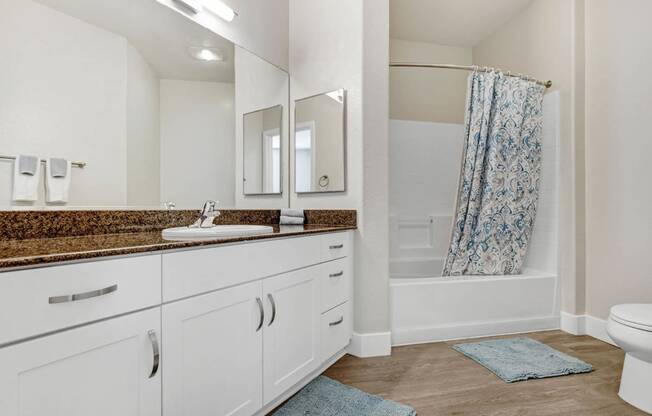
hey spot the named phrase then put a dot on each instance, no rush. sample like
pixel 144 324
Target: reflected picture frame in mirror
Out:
pixel 320 180
pixel 271 158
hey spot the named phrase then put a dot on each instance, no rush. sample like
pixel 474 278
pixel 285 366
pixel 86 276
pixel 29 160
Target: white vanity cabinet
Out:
pixel 222 330
pixel 291 337
pixel 213 347
pixel 105 369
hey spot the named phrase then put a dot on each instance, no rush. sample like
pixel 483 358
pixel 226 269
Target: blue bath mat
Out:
pixel 326 397
pixel 518 359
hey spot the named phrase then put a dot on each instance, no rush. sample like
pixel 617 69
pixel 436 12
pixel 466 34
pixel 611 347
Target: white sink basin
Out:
pixel 218 231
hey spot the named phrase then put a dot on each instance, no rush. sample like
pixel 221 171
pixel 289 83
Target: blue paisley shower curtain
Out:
pixel 499 180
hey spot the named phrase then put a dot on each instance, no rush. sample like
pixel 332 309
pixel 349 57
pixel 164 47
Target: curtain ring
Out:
pixel 475 68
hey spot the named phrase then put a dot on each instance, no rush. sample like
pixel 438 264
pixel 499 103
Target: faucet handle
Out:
pixel 208 214
pixel 209 206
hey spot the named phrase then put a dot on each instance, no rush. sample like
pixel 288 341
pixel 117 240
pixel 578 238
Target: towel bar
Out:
pixel 80 165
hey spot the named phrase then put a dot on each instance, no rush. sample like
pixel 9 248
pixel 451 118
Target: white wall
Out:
pixel 63 93
pixel 541 41
pixel 325 55
pixel 197 131
pixel 619 195
pixel 259 85
pixel 345 44
pixel 143 132
pixel 426 94
pixel 260 27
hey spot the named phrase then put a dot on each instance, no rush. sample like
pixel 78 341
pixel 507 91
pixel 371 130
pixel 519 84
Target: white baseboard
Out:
pixel 471 330
pixel 585 325
pixel 377 344
pixel 573 324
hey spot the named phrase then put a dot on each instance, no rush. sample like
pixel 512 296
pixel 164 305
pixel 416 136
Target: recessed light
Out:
pixel 206 54
pixel 220 9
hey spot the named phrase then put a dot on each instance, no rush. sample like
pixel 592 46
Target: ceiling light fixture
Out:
pixel 192 6
pixel 220 9
pixel 206 54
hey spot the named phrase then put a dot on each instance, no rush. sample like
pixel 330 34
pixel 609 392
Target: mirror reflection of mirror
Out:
pixel 142 95
pixel 263 156
pixel 320 142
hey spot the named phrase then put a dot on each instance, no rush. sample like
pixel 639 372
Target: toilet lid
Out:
pixel 640 315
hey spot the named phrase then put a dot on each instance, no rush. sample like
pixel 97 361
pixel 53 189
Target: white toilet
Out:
pixel 630 326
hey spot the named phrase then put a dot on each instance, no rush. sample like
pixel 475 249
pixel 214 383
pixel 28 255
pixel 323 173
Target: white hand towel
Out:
pixel 26 184
pixel 284 220
pixel 57 184
pixel 287 212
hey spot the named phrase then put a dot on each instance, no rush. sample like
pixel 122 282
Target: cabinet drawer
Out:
pixel 335 246
pixel 189 273
pixel 336 281
pixel 37 301
pixel 336 330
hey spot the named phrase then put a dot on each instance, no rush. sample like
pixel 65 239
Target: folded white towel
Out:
pixel 287 212
pixel 26 184
pixel 284 220
pixel 57 184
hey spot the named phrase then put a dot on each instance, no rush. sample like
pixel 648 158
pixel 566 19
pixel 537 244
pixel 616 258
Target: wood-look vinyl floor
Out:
pixel 437 380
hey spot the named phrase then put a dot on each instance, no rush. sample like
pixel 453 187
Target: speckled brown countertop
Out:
pixel 73 245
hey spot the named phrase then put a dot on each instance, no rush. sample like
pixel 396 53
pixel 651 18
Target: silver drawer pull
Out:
pixel 271 301
pixel 262 313
pixel 336 246
pixel 81 296
pixel 339 321
pixel 338 274
pixel 157 354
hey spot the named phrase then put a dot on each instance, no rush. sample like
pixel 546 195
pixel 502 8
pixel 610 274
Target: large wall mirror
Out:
pixel 320 143
pixel 153 105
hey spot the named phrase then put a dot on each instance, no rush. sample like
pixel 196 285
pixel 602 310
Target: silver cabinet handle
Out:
pixel 81 296
pixel 155 349
pixel 271 301
pixel 339 321
pixel 336 246
pixel 262 313
pixel 338 274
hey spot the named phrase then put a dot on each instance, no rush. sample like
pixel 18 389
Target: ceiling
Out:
pixel 450 22
pixel 161 35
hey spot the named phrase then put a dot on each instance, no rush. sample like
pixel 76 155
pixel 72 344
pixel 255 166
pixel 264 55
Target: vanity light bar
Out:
pixel 220 9
pixel 193 6
pixel 216 7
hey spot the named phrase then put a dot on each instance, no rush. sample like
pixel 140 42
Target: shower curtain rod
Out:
pixel 546 84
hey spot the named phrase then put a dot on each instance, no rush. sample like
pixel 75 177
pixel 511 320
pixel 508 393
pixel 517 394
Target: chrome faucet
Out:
pixel 208 215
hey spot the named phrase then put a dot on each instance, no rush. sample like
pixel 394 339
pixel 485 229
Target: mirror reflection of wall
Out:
pixel 260 88
pixel 262 151
pixel 140 93
pixel 319 143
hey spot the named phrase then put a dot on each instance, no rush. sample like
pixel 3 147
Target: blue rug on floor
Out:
pixel 518 359
pixel 326 397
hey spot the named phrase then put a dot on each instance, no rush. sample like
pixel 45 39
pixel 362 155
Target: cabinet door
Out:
pixel 291 339
pixel 104 369
pixel 213 353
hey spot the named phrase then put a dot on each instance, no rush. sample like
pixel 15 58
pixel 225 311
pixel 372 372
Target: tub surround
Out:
pixel 36 238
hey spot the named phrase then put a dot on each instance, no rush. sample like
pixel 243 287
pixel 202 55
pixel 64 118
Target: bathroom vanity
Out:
pixel 234 327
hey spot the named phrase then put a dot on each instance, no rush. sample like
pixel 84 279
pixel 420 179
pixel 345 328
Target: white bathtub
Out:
pixel 428 308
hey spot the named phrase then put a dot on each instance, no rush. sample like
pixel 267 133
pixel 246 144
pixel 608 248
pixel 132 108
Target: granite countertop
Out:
pixel 26 253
